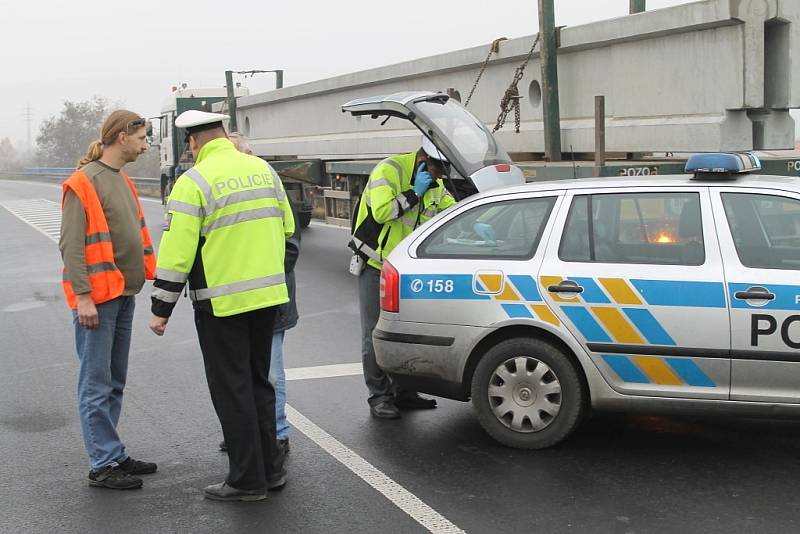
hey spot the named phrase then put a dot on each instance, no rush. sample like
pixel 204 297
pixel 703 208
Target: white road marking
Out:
pixel 293 373
pixel 324 371
pixel 409 503
pixel 36 212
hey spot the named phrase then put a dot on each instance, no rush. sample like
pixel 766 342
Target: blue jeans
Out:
pixel 103 355
pixel 277 377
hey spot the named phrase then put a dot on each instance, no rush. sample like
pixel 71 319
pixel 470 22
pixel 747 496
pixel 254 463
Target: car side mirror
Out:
pixel 148 131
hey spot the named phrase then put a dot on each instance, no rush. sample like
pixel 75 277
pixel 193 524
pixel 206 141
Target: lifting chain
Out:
pixel 511 97
pixel 494 48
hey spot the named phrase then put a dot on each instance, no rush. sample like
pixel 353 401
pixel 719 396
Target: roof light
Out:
pixel 722 164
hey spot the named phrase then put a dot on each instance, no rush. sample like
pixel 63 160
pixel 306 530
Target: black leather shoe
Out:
pixel 222 446
pixel 137 467
pixel 277 482
pixel 223 492
pixel 385 410
pixel 412 401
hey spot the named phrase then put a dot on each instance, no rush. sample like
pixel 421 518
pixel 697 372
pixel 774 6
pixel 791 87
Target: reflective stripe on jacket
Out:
pixel 225 228
pixel 106 280
pixel 389 209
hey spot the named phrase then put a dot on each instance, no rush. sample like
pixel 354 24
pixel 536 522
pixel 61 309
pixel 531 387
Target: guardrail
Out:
pixel 147 186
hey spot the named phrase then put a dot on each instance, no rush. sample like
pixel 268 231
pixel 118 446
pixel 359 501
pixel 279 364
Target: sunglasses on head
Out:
pixel 136 123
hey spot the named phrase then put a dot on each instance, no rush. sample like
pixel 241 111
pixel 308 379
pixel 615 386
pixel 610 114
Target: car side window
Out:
pixel 503 230
pixel 765 229
pixel 648 228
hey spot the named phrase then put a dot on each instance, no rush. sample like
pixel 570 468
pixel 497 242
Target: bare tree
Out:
pixel 64 138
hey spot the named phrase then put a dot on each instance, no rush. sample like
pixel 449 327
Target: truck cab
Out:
pixel 174 156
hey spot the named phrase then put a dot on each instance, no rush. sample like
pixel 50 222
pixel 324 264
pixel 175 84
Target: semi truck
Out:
pixel 175 157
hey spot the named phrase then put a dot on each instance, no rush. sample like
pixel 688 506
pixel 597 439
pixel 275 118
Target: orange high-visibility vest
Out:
pixel 106 280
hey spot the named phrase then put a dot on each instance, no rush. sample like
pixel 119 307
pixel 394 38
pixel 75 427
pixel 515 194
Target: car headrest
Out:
pixel 690 223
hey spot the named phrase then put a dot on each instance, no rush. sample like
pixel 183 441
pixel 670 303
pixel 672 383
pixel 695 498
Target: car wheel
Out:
pixel 527 394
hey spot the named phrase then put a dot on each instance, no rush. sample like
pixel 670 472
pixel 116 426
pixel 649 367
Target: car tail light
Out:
pixel 390 288
pixel 503 167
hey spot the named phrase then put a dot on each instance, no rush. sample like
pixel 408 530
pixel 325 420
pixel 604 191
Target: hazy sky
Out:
pixel 134 51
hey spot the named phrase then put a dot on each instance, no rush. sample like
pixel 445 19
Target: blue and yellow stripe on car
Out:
pixel 663 371
pixel 620 291
pixel 518 295
pixel 616 310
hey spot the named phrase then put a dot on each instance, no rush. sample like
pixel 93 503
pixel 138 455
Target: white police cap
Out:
pixel 194 118
pixel 431 150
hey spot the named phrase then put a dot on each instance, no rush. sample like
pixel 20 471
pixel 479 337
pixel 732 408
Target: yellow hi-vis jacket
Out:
pixel 225 231
pixel 390 210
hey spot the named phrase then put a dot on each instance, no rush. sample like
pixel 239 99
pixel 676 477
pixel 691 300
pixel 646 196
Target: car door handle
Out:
pixel 567 286
pixel 755 293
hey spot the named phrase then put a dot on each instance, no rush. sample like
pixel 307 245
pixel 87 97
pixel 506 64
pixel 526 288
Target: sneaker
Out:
pixel 113 477
pixel 385 410
pixel 411 400
pixel 224 492
pixel 137 467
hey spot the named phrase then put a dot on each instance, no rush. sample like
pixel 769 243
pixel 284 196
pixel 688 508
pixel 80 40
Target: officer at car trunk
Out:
pixel 402 192
pixel 225 229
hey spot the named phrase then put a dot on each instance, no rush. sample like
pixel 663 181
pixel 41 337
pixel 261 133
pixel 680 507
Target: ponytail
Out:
pixel 94 153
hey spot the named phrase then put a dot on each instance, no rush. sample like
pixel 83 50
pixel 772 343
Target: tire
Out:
pixel 532 410
pixel 304 219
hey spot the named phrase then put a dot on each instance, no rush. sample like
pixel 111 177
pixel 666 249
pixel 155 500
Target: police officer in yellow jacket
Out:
pixel 224 233
pixel 402 192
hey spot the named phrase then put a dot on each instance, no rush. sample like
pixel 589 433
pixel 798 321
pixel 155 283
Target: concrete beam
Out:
pixel 710 75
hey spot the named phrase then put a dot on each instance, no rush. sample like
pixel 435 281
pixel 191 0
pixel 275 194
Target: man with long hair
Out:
pixel 107 255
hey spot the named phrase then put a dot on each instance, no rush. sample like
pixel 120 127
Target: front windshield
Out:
pixel 467 138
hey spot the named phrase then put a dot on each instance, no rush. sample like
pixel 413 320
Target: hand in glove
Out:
pixel 485 231
pixel 422 179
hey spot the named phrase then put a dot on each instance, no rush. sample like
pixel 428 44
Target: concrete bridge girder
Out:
pixel 705 76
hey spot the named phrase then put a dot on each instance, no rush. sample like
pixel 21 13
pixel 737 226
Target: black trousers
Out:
pixel 236 352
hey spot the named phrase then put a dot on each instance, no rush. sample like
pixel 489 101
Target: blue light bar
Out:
pixel 723 163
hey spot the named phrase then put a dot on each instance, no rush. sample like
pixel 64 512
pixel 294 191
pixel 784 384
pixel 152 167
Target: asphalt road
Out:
pixel 347 472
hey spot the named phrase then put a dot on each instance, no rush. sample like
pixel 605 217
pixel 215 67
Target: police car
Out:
pixel 539 302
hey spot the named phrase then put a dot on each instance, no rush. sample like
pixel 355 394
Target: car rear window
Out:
pixel 765 229
pixel 502 230
pixel 648 228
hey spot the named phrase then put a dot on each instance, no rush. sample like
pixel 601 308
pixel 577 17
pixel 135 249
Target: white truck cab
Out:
pixel 171 143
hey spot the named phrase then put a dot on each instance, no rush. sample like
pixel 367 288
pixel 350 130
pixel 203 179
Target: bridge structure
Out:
pixel 714 75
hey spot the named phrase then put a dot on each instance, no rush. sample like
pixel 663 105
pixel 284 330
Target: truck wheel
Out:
pixel 527 394
pixel 304 219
